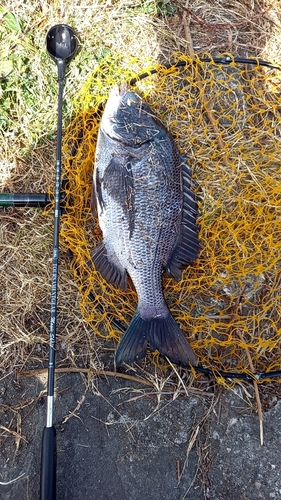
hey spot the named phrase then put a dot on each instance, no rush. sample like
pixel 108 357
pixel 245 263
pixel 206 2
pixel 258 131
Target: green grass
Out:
pixel 28 77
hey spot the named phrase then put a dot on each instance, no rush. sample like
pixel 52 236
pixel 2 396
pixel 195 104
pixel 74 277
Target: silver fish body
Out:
pixel 147 214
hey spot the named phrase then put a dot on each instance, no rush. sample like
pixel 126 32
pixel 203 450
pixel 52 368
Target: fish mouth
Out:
pixel 118 91
pixel 118 96
pixel 123 89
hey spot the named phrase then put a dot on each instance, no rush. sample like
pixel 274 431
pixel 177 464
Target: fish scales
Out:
pixel 147 214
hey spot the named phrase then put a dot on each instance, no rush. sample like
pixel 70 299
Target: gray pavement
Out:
pixel 122 443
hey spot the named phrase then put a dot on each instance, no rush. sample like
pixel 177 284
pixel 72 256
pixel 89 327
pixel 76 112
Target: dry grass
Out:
pixel 27 145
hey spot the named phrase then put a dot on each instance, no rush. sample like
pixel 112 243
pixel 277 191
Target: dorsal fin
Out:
pixel 186 248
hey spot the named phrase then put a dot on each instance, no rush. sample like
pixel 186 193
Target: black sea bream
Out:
pixel 147 214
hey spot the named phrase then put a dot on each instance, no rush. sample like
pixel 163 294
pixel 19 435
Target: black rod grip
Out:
pixel 48 464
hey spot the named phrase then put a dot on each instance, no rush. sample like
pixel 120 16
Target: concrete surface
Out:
pixel 121 443
pixel 240 467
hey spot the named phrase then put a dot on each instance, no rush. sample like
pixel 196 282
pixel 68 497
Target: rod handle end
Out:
pixel 48 464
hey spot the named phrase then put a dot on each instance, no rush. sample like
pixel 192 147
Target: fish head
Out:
pixel 127 118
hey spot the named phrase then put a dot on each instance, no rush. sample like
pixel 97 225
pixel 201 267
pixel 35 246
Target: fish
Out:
pixel 147 213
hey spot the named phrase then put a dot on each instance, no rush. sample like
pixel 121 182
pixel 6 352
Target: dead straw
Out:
pixel 205 101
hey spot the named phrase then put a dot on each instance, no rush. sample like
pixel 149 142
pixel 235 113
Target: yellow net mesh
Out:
pixel 226 118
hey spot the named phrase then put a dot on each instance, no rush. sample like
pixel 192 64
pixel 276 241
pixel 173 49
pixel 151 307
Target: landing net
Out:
pixel 227 119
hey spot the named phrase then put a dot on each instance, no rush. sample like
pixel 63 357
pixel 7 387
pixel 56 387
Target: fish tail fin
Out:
pixel 161 333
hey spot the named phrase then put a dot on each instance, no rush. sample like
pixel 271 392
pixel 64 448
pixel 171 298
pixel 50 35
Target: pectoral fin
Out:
pixel 119 183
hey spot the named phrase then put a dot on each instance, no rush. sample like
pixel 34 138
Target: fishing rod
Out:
pixel 61 44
